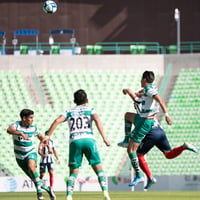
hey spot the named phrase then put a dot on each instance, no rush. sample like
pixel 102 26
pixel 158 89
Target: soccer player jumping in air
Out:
pixel 155 137
pixel 81 139
pixel 144 120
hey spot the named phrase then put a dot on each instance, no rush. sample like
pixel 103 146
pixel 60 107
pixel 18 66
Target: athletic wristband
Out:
pixel 47 137
pixel 166 114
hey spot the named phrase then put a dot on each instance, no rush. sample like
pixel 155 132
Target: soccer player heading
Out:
pixel 81 140
pixel 144 120
pixel 155 137
pixel 23 132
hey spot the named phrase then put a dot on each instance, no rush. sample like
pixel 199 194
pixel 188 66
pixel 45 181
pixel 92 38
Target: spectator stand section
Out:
pixel 23 48
pixel 64 48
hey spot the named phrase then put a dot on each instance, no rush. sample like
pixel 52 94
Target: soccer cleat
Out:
pixel 190 147
pixel 51 193
pixel 150 183
pixel 106 195
pixel 40 196
pixel 124 144
pixel 69 197
pixel 137 179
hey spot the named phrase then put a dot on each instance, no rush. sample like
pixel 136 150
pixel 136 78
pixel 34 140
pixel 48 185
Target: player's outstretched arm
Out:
pixel 130 93
pixel 40 148
pixel 100 129
pixel 12 131
pixel 163 106
pixel 53 126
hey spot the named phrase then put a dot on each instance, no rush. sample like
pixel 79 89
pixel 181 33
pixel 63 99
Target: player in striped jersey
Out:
pixel 23 132
pixel 46 160
pixel 155 137
pixel 144 120
pixel 82 141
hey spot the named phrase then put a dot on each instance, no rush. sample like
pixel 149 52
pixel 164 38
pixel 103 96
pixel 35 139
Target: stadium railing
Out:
pixel 102 48
pixel 124 47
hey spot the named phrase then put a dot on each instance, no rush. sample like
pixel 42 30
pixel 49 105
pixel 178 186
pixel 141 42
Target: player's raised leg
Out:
pixel 128 121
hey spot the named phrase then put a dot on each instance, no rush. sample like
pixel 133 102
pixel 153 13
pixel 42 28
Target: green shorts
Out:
pixel 87 147
pixel 142 127
pixel 24 163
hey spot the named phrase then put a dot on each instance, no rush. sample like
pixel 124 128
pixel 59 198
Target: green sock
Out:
pixel 70 183
pixel 134 162
pixel 102 180
pixel 127 129
pixel 37 182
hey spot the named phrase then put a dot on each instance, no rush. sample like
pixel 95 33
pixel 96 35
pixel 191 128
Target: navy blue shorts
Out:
pixel 43 167
pixel 156 137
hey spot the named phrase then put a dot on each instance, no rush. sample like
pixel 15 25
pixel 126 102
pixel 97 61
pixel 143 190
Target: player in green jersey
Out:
pixel 23 132
pixel 81 139
pixel 144 120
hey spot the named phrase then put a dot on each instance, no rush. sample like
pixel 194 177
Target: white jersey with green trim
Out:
pixel 22 148
pixel 80 122
pixel 149 105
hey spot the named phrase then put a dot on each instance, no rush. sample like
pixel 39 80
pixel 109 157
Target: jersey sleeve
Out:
pixel 14 125
pixel 152 92
pixel 64 114
pixel 37 132
pixel 93 111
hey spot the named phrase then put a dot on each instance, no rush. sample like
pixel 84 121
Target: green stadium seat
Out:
pixel 55 49
pixel 23 50
pixel 90 49
pixel 172 49
pixel 133 49
pixel 98 49
pixel 142 49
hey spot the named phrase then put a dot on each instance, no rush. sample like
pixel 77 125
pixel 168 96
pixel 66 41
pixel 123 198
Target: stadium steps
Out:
pixel 46 92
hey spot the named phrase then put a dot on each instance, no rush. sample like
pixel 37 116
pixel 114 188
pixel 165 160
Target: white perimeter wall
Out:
pixel 82 62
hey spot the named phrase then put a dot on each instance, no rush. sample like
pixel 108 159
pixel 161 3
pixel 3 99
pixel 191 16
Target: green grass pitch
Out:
pixel 154 195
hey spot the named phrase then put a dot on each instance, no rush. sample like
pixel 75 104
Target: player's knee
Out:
pixel 167 155
pixel 140 155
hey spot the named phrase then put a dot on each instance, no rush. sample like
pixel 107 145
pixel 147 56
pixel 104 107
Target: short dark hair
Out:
pixel 149 76
pixel 26 113
pixel 80 97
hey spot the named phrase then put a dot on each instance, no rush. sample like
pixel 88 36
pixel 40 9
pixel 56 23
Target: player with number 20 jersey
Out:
pixel 80 122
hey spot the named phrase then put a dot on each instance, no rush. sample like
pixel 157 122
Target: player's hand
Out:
pixel 107 142
pixel 140 93
pixel 25 137
pixel 45 140
pixel 124 91
pixel 168 120
pixel 58 161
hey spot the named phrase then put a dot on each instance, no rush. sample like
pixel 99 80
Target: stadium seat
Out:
pixel 133 49
pixel 90 49
pixel 23 50
pixel 55 49
pixel 142 49
pixel 172 49
pixel 98 49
